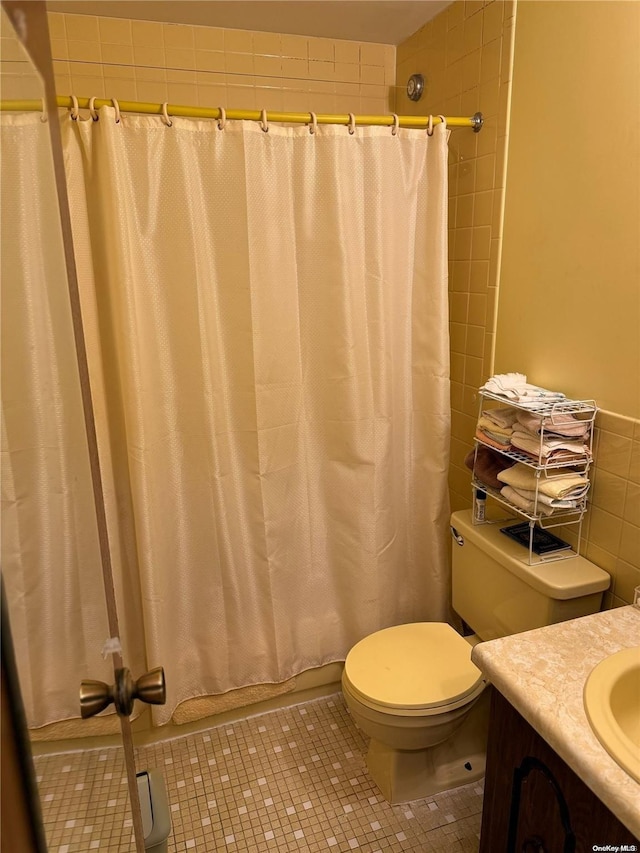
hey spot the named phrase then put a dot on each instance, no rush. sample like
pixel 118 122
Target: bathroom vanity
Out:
pixel 533 801
pixel 550 785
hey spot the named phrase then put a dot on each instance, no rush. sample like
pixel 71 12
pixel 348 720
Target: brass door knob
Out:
pixel 95 696
pixel 150 688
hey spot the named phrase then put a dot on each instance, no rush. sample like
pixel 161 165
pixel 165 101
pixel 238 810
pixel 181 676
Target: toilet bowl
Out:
pixel 411 689
pixel 414 690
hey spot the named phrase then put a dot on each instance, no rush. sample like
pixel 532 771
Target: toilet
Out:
pixel 413 688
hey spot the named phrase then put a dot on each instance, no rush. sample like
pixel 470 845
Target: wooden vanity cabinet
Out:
pixel 533 801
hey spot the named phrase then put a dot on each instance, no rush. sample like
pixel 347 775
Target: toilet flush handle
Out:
pixel 459 539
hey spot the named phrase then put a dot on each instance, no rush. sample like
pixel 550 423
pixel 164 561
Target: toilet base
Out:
pixel 404 775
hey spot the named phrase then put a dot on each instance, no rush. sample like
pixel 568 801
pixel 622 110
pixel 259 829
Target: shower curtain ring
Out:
pixel 222 119
pixel 43 114
pixel 396 124
pixel 165 115
pixel 352 124
pixel 74 108
pixel 116 107
pixel 92 110
pixel 314 123
pixel 264 124
pixel 444 121
pixel 430 126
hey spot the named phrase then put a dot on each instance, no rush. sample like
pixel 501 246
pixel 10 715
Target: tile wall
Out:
pixel 612 535
pixel 465 56
pixel 18 78
pixel 211 66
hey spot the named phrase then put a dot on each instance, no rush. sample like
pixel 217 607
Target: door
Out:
pixel 60 596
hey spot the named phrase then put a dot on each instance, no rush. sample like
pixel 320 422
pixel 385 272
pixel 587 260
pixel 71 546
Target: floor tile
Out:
pixel 290 780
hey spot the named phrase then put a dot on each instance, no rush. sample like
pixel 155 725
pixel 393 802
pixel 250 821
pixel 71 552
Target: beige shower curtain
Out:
pixel 266 315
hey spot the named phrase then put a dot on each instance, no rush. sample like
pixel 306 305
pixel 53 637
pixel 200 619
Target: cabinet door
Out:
pixel 539 820
pixel 533 801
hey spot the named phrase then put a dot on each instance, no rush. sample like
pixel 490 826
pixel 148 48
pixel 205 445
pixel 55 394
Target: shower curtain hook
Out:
pixel 74 108
pixel 396 124
pixel 352 124
pixel 444 121
pixel 116 107
pixel 222 119
pixel 314 123
pixel 92 110
pixel 43 114
pixel 264 124
pixel 430 126
pixel 165 115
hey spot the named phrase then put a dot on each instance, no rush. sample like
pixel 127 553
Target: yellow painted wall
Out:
pixel 569 287
pixel 569 304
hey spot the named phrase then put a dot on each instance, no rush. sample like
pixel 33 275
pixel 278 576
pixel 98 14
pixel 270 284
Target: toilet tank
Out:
pixel 497 593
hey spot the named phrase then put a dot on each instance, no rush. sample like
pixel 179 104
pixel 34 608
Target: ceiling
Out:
pixel 382 21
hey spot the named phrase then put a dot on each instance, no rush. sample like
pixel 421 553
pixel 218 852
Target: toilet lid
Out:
pixel 420 665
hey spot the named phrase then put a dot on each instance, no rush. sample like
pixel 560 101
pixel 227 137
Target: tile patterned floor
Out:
pixel 290 780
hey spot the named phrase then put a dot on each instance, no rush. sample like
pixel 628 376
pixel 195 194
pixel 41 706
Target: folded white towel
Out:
pixel 501 382
pixel 514 386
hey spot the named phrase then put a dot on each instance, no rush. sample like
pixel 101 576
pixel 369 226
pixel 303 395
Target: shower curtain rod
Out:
pixel 389 120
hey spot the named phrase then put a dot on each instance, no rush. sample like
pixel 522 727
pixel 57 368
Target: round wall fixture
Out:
pixel 415 87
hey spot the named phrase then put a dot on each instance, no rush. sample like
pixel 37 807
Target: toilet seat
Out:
pixel 420 668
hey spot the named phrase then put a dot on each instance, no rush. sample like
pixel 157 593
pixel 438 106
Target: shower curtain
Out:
pixel 266 320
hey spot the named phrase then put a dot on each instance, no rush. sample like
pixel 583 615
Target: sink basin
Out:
pixel 612 705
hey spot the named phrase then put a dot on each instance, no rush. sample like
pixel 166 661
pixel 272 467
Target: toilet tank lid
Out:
pixel 560 579
pixel 413 666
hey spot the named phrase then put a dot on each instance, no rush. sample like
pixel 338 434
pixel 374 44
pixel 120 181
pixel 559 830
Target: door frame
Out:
pixel 20 813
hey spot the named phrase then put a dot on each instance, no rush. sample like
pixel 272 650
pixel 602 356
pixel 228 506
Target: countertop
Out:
pixel 542 674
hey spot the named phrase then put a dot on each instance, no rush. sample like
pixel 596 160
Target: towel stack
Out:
pixel 552 438
pixel 515 388
pixel 495 427
pixel 487 465
pixel 559 438
pixel 564 492
pixel 545 429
